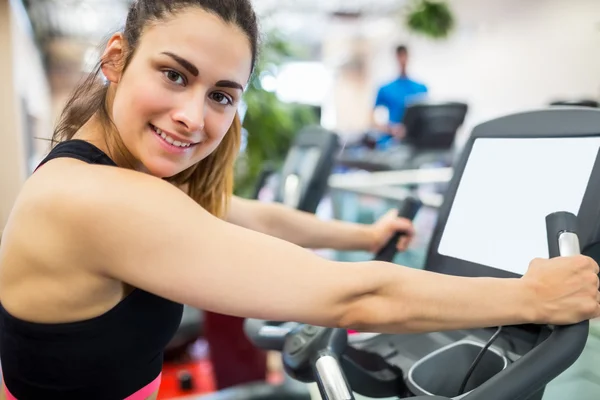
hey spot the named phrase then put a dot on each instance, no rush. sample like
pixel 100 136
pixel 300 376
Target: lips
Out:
pixel 173 141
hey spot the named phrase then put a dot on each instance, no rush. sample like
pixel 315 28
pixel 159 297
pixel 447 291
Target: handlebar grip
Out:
pixel 561 228
pixel 410 207
pixel 559 351
pixel 265 336
pixel 330 377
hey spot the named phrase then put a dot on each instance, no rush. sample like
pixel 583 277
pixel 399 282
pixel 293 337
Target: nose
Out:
pixel 191 115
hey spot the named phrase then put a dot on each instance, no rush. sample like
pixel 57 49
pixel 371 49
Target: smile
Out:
pixel 170 140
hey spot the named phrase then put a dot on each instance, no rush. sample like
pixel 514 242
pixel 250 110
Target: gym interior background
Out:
pixel 501 56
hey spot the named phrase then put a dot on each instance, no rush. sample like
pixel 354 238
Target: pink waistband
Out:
pixel 147 390
pixel 8 395
pixel 141 394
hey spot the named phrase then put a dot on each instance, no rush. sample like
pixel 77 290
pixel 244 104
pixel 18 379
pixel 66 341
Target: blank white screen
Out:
pixel 507 189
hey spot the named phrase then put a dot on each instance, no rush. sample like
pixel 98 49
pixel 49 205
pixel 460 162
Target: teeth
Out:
pixel 170 140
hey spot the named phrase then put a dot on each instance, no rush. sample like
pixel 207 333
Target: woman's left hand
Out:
pixel 384 228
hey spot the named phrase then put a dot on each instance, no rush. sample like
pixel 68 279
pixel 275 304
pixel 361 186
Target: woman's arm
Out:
pixel 147 233
pixel 306 230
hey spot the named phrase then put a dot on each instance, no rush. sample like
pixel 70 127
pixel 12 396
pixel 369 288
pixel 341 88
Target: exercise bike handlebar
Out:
pixel 559 351
pixel 265 336
pixel 410 207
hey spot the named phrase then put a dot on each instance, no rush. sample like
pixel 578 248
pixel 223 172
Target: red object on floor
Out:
pixel 202 377
pixel 234 358
pixel 202 374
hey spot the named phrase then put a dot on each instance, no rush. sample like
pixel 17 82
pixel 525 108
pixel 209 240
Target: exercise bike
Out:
pixel 491 224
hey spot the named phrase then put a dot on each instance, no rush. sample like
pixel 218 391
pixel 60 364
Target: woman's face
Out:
pixel 178 96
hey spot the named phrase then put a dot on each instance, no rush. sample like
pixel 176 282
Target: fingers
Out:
pixel 404 225
pixel 394 223
pixel 597 312
pixel 579 262
pixel 588 262
pixel 400 245
pixel 391 213
pixel 403 243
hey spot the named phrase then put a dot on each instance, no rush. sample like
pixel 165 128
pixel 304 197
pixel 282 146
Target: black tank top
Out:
pixel 109 357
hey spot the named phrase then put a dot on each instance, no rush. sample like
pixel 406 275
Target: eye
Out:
pixel 221 98
pixel 174 77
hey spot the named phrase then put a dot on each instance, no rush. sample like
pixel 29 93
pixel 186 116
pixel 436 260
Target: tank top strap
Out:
pixel 80 150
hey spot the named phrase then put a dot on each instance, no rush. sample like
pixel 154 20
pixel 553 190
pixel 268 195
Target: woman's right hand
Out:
pixel 565 289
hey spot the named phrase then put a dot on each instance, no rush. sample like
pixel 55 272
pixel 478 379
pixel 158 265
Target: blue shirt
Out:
pixel 396 95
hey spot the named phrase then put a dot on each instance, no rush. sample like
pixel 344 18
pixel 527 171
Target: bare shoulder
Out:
pixel 72 226
pixel 74 180
pixel 82 203
pixel 47 243
pixel 66 190
pixel 72 187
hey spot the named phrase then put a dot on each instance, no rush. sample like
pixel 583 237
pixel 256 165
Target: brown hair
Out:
pixel 209 182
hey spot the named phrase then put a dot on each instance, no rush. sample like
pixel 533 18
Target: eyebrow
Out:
pixel 230 84
pixel 191 68
pixel 183 62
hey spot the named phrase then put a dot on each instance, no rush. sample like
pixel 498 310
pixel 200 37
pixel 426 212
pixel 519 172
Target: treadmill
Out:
pixel 502 210
pixel 431 129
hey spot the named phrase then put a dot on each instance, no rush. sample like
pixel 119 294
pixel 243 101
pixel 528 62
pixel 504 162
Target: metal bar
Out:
pixel 355 180
pixel 433 200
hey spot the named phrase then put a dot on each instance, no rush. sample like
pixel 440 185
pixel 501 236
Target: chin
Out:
pixel 163 169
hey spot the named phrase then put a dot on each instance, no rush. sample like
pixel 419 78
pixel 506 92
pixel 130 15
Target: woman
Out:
pixel 131 215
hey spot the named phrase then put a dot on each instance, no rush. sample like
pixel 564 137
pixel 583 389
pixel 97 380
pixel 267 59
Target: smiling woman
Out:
pixel 168 108
pixel 187 89
pixel 103 246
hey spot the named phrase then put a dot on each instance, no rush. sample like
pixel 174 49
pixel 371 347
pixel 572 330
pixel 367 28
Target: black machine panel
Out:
pixel 305 173
pixel 513 172
pixel 433 125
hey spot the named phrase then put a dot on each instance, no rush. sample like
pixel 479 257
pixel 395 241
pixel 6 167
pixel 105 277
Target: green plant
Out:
pixel 271 123
pixel 430 18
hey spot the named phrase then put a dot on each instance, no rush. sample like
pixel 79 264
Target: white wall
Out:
pixel 505 56
pixel 31 85
pixel 24 86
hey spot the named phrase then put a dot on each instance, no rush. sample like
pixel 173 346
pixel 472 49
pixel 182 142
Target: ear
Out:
pixel 113 58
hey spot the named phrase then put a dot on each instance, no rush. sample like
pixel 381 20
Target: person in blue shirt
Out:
pixel 394 96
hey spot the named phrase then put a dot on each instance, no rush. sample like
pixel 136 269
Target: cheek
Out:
pixel 216 128
pixel 138 98
pixel 217 123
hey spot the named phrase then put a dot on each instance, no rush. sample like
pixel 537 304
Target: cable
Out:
pixel 477 360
